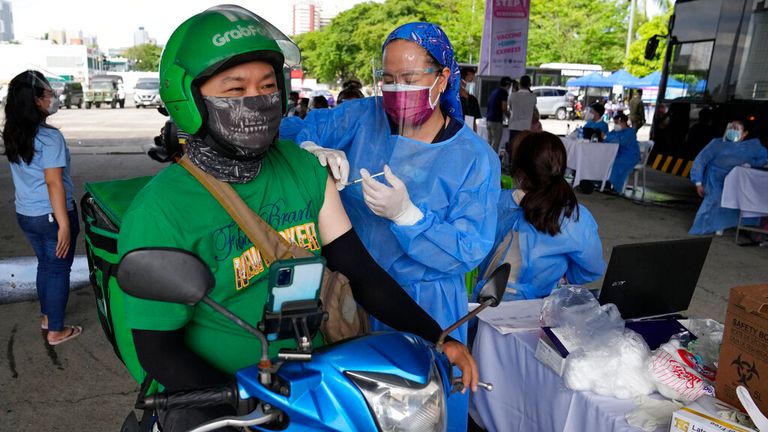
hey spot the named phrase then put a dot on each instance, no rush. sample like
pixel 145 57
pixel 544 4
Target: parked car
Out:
pixel 146 93
pixel 551 101
pixel 105 89
pixel 71 93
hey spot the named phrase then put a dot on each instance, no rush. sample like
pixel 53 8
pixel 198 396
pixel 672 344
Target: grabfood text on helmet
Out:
pixel 236 33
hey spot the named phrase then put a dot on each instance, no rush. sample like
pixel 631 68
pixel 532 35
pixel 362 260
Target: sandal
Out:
pixel 75 331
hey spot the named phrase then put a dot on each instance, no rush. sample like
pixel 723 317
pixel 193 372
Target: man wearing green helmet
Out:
pixel 222 82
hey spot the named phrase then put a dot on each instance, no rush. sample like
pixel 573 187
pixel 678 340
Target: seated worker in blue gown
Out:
pixel 708 173
pixel 430 218
pixel 629 151
pixel 595 120
pixel 543 233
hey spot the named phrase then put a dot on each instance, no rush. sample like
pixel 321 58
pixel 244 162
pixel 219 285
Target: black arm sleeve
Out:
pixel 375 290
pixel 165 356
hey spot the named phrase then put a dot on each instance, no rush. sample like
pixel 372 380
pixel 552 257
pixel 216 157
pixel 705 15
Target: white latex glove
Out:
pixel 336 160
pixel 393 202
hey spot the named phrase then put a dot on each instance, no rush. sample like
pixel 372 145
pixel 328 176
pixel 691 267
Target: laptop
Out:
pixel 652 280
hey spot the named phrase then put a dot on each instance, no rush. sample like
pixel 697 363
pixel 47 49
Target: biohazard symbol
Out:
pixel 745 371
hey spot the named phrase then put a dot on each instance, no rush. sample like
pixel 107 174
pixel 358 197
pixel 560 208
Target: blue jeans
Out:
pixel 52 272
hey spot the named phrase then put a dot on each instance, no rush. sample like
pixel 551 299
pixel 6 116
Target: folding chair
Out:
pixel 645 153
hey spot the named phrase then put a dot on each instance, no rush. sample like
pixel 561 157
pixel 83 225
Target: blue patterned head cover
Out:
pixel 433 39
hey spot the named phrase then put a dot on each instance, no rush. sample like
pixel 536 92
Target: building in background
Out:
pixel 140 37
pixel 306 17
pixel 65 61
pixel 6 21
pixel 57 36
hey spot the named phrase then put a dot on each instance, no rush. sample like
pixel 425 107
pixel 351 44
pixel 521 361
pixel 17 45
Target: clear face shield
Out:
pixel 410 84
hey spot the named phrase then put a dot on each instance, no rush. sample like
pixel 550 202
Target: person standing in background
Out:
pixel 45 203
pixel 469 104
pixel 520 106
pixel 637 110
pixel 497 110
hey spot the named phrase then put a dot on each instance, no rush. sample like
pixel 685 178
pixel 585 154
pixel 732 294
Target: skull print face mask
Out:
pixel 248 124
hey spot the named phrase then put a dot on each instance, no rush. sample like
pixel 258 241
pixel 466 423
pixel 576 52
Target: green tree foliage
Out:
pixel 636 63
pixel 578 31
pixel 145 57
pixel 573 31
pixel 347 46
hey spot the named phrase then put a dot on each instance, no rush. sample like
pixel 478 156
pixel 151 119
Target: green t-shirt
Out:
pixel 175 210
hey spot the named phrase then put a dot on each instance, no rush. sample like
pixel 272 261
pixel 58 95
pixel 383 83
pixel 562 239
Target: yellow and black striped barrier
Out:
pixel 671 165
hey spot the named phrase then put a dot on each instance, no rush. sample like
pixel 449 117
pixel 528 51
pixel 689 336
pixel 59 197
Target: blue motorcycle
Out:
pixel 386 381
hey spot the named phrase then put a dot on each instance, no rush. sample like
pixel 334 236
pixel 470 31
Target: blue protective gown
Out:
pixel 576 252
pixel 627 157
pixel 600 125
pixel 710 167
pixel 455 183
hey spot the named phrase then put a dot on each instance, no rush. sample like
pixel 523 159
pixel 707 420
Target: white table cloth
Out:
pixel 746 189
pixel 529 396
pixel 591 161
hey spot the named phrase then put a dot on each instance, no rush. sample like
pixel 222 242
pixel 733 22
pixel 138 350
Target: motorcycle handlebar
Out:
pixel 191 399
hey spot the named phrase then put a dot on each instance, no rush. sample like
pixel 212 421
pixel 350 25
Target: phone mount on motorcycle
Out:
pixel 490 295
pixel 298 319
pixel 144 273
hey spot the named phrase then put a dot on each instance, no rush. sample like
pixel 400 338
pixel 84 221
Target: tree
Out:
pixel 145 57
pixel 578 31
pixel 351 45
pixel 636 63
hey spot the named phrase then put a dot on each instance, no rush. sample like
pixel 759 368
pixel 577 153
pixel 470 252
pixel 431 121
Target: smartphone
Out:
pixel 294 279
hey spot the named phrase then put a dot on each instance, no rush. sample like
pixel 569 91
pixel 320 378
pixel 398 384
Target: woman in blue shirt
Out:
pixel 543 233
pixel 45 206
pixel 710 167
pixel 629 151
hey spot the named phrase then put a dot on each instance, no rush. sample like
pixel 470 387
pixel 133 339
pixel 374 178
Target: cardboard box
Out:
pixel 744 352
pixel 702 415
pixel 690 420
pixel 549 355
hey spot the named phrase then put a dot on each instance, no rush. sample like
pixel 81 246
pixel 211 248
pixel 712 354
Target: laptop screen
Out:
pixel 652 279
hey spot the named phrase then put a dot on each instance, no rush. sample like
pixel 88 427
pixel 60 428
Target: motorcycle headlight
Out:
pixel 402 405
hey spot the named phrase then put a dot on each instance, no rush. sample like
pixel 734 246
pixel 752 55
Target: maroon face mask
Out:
pixel 408 104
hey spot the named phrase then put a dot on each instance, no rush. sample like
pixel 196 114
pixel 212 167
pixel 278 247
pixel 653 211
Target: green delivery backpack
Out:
pixel 103 206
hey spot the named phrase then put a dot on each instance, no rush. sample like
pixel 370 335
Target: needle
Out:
pixel 360 179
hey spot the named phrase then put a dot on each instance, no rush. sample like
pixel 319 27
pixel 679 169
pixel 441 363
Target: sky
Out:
pixel 114 22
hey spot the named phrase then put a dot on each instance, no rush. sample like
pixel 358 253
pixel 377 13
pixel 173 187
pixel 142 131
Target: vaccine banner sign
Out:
pixel 505 38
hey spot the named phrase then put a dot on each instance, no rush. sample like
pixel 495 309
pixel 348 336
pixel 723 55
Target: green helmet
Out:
pixel 216 39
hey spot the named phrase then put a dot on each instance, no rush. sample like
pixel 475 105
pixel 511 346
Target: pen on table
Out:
pixel 360 179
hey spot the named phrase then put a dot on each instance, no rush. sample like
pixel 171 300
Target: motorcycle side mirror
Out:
pixel 650 47
pixel 165 274
pixel 493 289
pixel 490 295
pixel 163 110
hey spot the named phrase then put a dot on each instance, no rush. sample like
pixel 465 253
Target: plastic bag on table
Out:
pixel 650 414
pixel 709 337
pixel 617 368
pixel 674 372
pixel 576 310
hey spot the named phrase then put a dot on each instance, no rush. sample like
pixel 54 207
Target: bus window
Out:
pixel 751 81
pixel 689 70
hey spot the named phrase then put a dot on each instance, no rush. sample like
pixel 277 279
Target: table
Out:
pixel 482 130
pixel 529 396
pixel 591 161
pixel 746 189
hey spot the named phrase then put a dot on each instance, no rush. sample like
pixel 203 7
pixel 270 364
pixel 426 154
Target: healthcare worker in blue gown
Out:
pixel 629 151
pixel 710 167
pixel 543 233
pixel 595 119
pixel 431 217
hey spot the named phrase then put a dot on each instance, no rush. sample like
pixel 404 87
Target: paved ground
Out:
pixel 82 386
